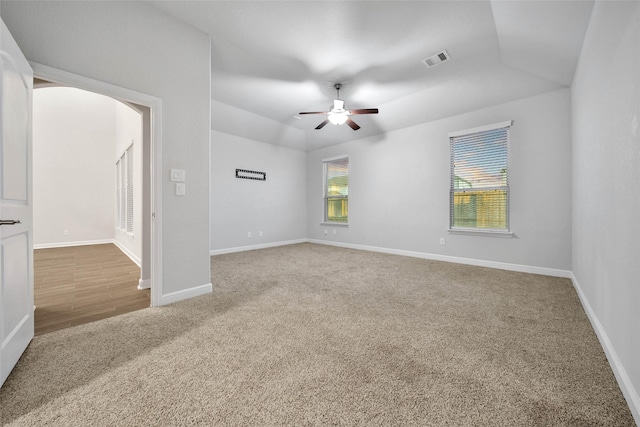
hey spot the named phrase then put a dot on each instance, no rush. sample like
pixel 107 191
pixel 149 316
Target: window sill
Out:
pixel 487 233
pixel 335 224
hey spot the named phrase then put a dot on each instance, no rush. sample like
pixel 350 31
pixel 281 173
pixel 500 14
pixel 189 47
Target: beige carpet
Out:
pixel 316 335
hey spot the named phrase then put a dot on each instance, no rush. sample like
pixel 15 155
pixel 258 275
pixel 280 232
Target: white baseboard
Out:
pixel 124 250
pixel 144 284
pixel 469 261
pixel 253 247
pixel 127 252
pixel 69 244
pixel 185 294
pixel 626 385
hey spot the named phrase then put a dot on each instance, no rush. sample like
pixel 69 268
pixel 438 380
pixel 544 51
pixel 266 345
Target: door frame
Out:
pixel 155 105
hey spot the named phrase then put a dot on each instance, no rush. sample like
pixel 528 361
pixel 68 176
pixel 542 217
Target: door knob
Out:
pixel 9 221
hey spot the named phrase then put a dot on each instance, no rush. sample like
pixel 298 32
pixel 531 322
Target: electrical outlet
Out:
pixel 249 234
pixel 260 233
pixel 442 241
pixel 334 231
pixel 65 232
pixel 326 232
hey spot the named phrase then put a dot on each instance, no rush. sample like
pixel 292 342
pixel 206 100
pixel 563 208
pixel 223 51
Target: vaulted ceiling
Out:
pixel 277 58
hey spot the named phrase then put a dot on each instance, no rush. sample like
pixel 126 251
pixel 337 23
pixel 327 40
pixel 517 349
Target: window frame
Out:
pixel 326 197
pixel 496 232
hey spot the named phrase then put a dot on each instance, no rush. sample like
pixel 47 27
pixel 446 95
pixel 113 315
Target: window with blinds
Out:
pixel 129 184
pixel 124 191
pixel 479 193
pixel 336 190
pixel 120 193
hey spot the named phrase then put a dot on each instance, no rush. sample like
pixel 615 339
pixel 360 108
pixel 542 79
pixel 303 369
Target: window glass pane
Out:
pixel 480 160
pixel 338 177
pixel 479 180
pixel 480 209
pixel 336 190
pixel 337 210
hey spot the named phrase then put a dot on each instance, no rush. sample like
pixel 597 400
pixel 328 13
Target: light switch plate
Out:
pixel 180 189
pixel 177 175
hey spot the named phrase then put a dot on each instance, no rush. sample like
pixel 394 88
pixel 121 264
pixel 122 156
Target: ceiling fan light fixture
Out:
pixel 338 115
pixel 338 118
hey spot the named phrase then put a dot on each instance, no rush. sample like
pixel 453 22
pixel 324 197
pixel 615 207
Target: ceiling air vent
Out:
pixel 436 59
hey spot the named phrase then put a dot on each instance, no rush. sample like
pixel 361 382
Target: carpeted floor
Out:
pixel 317 335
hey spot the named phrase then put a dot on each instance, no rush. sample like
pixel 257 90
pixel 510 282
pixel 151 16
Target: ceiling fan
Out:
pixel 338 115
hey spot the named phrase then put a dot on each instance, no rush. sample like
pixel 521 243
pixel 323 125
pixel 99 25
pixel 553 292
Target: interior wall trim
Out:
pixel 196 291
pixel 124 250
pixel 424 255
pixel 144 284
pixel 253 247
pixel 458 260
pixel 128 253
pixel 69 244
pixel 624 382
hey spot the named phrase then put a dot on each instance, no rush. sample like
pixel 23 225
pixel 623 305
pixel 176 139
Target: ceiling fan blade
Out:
pixel 321 125
pixel 314 112
pixel 353 125
pixel 365 111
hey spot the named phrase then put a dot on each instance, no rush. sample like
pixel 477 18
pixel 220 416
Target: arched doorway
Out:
pixel 144 241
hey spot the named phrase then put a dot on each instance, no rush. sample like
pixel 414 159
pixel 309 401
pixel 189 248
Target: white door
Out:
pixel 16 242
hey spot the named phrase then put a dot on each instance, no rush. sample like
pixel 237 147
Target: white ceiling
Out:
pixel 277 58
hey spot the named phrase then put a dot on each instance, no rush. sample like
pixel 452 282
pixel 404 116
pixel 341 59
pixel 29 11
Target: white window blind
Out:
pixel 336 190
pixel 120 193
pixel 479 193
pixel 129 219
pixel 124 191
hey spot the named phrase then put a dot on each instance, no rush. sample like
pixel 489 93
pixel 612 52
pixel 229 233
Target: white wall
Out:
pixel 73 166
pixel 77 138
pixel 128 125
pixel 277 206
pixel 399 187
pixel 136 46
pixel 235 121
pixel 606 173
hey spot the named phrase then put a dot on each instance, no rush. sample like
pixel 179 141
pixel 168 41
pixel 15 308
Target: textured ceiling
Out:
pixel 277 58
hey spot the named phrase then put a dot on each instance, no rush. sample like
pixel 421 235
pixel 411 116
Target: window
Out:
pixel 124 191
pixel 129 187
pixel 479 193
pixel 120 193
pixel 336 190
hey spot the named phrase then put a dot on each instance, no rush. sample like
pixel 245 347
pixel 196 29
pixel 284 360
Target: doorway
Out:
pixel 151 183
pixel 87 238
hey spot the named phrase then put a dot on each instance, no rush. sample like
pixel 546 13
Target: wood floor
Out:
pixel 81 284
